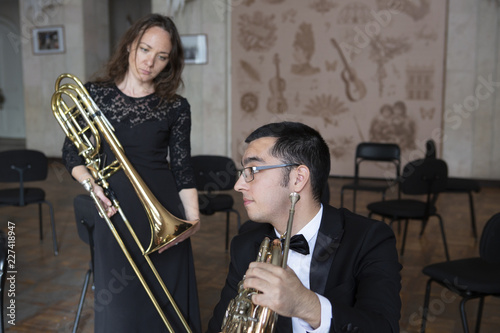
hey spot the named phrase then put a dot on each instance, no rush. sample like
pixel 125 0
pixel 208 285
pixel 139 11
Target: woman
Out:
pixel 137 94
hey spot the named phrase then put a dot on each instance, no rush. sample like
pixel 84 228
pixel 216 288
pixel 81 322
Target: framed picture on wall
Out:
pixel 195 49
pixel 48 40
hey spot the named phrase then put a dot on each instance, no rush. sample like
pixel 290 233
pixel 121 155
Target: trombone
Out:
pixel 71 102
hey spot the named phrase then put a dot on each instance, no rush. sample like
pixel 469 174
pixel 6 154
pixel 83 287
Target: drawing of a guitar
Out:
pixel 354 87
pixel 277 102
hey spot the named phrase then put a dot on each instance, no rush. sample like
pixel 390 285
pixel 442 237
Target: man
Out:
pixel 349 281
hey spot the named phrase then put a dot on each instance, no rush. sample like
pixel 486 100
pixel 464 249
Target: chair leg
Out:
pixel 404 238
pixel 82 299
pixel 227 229
pixel 464 315
pixel 424 224
pixel 341 198
pixel 426 305
pixel 472 215
pixel 40 221
pixel 479 313
pixel 383 199
pixel 53 225
pixel 444 238
pixel 238 218
pixel 354 201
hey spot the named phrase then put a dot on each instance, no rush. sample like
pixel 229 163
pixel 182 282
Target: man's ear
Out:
pixel 301 177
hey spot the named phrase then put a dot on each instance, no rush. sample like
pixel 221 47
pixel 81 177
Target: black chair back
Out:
pixel 430 149
pixel 424 176
pixel 34 166
pixel 214 173
pixel 20 166
pixel 489 246
pixel 377 152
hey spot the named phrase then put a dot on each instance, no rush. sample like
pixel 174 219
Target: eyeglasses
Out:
pixel 249 172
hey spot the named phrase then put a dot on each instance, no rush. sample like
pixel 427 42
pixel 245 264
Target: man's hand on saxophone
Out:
pixel 282 291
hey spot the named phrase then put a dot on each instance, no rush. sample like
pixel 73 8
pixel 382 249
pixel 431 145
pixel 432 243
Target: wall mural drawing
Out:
pixel 426 34
pixel 257 32
pixel 427 113
pixel 303 50
pixel 330 66
pixel 393 125
pixel 419 84
pixel 289 16
pixel 326 107
pixel 276 102
pixel 356 70
pixel 340 146
pixel 323 6
pixel 250 70
pixel 355 89
pixel 383 51
pixel 249 103
pixel 354 13
pixel 416 9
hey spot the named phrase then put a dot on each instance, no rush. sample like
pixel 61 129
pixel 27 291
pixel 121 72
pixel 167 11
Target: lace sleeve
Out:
pixel 180 148
pixel 70 155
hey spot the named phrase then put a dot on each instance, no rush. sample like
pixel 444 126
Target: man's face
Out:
pixel 265 198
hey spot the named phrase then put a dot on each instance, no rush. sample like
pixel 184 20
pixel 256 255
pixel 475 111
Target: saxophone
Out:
pixel 242 315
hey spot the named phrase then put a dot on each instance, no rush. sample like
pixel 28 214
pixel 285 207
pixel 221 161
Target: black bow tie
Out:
pixel 298 243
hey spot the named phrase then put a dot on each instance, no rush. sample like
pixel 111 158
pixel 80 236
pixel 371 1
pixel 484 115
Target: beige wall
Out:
pixel 472 108
pixel 83 55
pixel 40 72
pixel 206 86
pixel 471 145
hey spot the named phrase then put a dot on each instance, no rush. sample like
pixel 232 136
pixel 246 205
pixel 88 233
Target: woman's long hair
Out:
pixel 169 79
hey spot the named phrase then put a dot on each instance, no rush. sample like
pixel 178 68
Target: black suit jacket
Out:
pixel 355 265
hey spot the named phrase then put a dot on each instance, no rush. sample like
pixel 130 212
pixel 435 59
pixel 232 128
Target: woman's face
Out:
pixel 149 56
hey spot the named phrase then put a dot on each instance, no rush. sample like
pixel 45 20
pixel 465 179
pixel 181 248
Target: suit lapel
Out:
pixel 329 236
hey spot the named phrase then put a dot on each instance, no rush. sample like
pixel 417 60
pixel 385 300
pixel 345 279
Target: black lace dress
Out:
pixel 148 132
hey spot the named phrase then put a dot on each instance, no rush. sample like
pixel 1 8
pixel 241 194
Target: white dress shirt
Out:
pixel 301 265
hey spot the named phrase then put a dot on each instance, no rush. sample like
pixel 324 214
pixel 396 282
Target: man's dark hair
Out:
pixel 299 144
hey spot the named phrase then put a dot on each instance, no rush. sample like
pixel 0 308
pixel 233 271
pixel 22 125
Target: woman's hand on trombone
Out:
pixel 82 174
pixel 105 202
